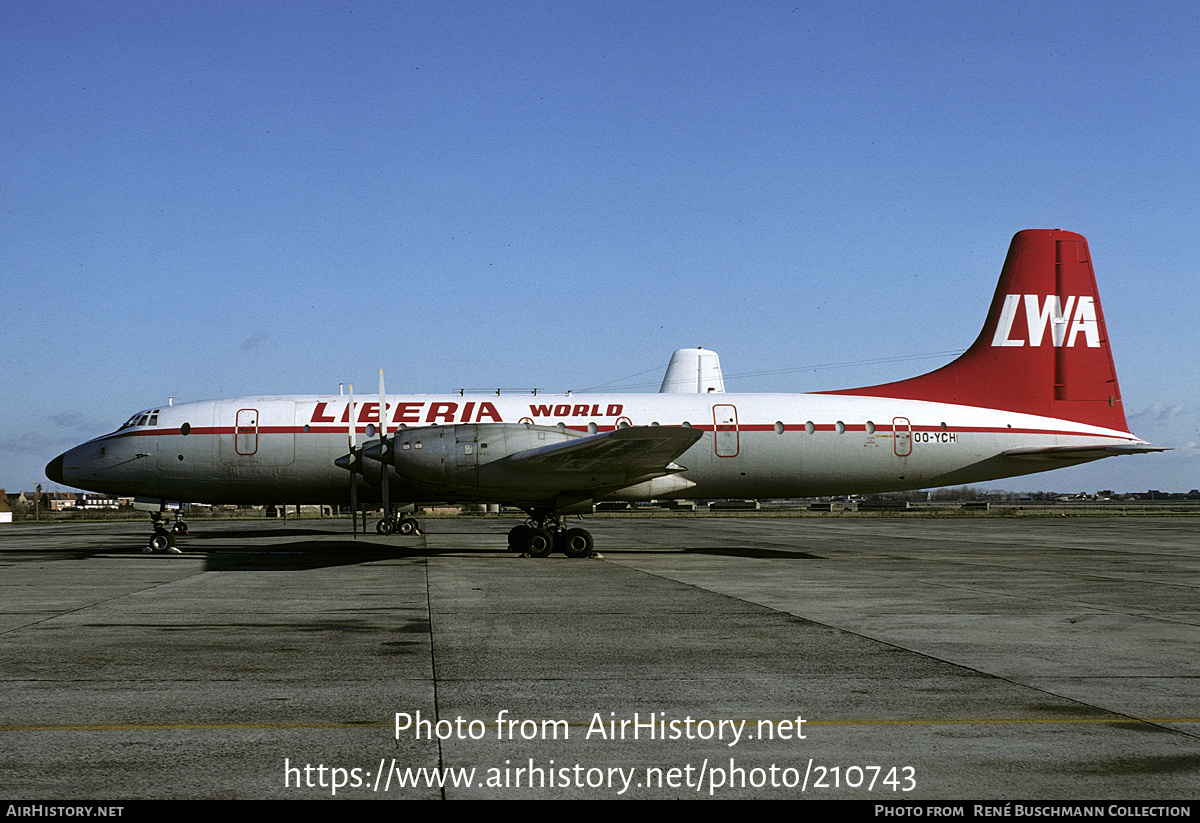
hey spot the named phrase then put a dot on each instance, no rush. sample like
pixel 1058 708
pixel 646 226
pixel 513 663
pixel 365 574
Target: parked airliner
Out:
pixel 1037 390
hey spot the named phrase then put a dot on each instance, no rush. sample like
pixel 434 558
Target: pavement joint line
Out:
pixel 905 648
pixel 433 667
pixel 96 603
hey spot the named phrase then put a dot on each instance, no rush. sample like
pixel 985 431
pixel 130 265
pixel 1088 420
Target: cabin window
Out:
pixel 185 429
pixel 779 427
pixel 870 427
pixel 592 428
pixel 840 426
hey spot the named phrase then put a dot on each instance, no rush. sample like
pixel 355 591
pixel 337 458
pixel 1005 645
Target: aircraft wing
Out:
pixel 636 451
pixel 1050 453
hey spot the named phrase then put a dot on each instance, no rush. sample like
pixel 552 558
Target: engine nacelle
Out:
pixel 530 465
pixel 466 460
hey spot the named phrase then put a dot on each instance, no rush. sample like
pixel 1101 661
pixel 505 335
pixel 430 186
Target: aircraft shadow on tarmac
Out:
pixel 300 556
pixel 313 554
pixel 51 555
pixel 283 549
pixel 274 531
pixel 303 556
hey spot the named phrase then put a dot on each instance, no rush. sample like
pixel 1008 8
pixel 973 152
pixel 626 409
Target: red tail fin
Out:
pixel 1044 348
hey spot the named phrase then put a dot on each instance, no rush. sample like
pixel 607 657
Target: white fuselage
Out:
pixel 282 449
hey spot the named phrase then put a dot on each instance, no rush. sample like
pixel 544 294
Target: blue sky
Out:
pixel 219 199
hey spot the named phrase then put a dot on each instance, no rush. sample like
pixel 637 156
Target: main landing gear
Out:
pixel 403 525
pixel 544 533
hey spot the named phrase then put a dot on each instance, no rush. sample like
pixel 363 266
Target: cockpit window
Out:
pixel 142 418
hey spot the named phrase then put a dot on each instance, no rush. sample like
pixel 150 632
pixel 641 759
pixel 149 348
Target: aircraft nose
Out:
pixel 54 469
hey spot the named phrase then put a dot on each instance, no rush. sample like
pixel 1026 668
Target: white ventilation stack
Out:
pixel 693 371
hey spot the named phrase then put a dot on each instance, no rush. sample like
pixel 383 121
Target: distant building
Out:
pixel 58 501
pixel 96 501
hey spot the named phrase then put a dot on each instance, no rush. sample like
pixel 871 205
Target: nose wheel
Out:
pixel 163 537
pixel 162 541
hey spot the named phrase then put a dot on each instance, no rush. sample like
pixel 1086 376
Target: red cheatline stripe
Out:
pixel 788 427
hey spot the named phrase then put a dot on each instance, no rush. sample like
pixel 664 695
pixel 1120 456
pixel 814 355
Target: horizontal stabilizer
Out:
pixel 1082 452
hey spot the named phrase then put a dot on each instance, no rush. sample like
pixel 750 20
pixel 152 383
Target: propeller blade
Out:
pixel 383 444
pixel 354 503
pixel 353 460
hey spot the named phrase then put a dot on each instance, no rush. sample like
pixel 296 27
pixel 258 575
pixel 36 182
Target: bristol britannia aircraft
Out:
pixel 1036 391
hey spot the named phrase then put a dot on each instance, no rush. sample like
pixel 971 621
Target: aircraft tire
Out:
pixel 517 536
pixel 383 527
pixel 539 543
pixel 161 540
pixel 407 526
pixel 180 527
pixel 576 543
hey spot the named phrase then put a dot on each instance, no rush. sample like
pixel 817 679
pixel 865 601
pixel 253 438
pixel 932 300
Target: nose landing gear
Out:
pixel 163 538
